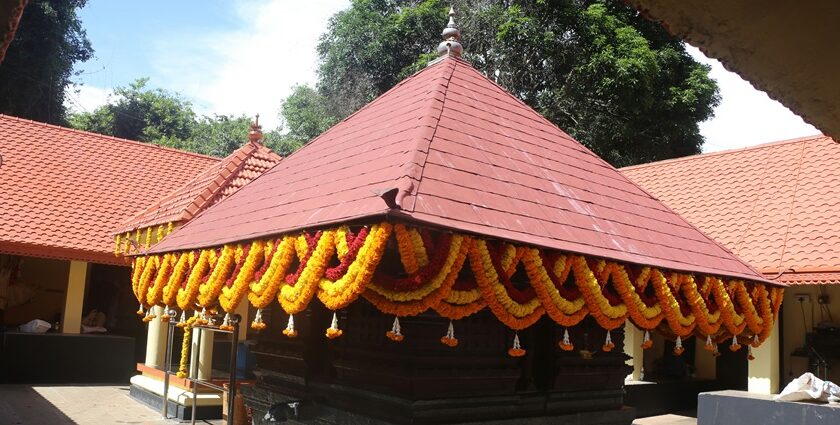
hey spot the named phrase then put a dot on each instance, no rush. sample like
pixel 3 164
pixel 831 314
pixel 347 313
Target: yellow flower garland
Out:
pixel 209 292
pixel 158 280
pixel 339 294
pixel 230 297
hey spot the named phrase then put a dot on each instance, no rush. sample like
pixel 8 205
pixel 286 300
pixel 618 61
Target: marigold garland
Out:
pixel 209 292
pixel 231 296
pixel 186 343
pixel 187 295
pixel 566 287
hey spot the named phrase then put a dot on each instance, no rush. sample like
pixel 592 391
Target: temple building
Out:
pixel 447 255
pixel 775 206
pixel 63 193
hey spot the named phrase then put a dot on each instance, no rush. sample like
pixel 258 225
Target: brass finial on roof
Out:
pixel 255 134
pixel 451 46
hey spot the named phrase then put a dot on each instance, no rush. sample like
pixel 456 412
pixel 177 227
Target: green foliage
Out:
pixel 160 117
pixel 305 114
pixel 39 63
pixel 616 82
pixel 138 113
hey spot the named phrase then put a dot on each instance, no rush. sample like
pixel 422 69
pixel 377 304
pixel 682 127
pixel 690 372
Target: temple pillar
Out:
pixel 633 337
pixel 242 310
pixel 74 301
pixel 705 362
pixel 201 362
pixel 763 374
pixel 156 340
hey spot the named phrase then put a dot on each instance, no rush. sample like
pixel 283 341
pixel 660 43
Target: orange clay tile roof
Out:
pixel 211 186
pixel 777 206
pixel 459 152
pixel 64 191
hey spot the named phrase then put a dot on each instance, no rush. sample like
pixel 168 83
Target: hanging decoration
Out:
pixel 395 334
pixel 333 331
pixel 455 275
pixel 566 342
pixel 449 339
pixel 516 350
pixel 290 330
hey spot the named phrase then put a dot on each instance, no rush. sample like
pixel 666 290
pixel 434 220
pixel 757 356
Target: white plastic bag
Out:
pixel 809 388
pixel 36 326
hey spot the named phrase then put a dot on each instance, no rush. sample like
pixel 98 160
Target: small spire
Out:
pixel 255 135
pixel 451 46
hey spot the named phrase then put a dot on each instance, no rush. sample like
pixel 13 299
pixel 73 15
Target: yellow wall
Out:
pixel 795 329
pixel 50 276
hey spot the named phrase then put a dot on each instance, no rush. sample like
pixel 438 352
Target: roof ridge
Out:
pixel 730 151
pixel 248 149
pixel 434 109
pixel 105 136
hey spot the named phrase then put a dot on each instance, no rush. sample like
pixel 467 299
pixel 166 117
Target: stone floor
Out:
pixel 83 405
pixel 666 420
pixel 97 405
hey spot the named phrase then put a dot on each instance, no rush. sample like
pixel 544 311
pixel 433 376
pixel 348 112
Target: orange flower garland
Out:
pixel 566 287
pixel 513 314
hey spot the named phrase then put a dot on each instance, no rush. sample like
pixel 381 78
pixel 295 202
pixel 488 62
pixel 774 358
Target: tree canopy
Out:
pixel 615 81
pixel 38 67
pixel 136 112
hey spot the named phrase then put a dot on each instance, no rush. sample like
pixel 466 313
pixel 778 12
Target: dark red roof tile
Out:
pixel 217 182
pixel 774 205
pixel 63 191
pixel 464 154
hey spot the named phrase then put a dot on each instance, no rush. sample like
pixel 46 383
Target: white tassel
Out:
pixel 226 321
pixel 334 324
pixel 516 345
pixel 566 339
pixel 450 332
pixel 258 317
pixel 734 340
pixel 395 328
pixel 646 337
pixel 608 341
pixel 679 343
pixel 709 342
pixel 183 318
pixel 755 339
pixel 291 325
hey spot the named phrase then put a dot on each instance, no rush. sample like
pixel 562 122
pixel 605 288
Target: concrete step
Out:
pixel 666 420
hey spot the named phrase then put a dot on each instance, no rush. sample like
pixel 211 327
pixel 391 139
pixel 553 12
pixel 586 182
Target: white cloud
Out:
pixel 746 116
pixel 249 69
pixel 85 98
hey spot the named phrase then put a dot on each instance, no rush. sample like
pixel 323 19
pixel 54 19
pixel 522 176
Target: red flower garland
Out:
pixel 354 244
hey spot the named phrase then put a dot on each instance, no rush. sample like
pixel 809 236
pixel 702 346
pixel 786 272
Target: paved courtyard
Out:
pixel 88 404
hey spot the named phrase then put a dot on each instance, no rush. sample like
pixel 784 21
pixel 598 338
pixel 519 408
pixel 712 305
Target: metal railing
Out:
pixel 195 382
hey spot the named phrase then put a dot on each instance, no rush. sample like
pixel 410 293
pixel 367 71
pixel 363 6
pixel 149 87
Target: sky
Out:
pixel 243 57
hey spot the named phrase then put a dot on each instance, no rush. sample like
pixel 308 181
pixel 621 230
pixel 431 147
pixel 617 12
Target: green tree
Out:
pixel 616 82
pixel 38 67
pixel 304 114
pixel 138 113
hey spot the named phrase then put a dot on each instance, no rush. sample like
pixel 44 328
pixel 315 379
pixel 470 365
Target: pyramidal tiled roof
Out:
pixel 775 205
pixel 63 191
pixel 459 152
pixel 217 182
